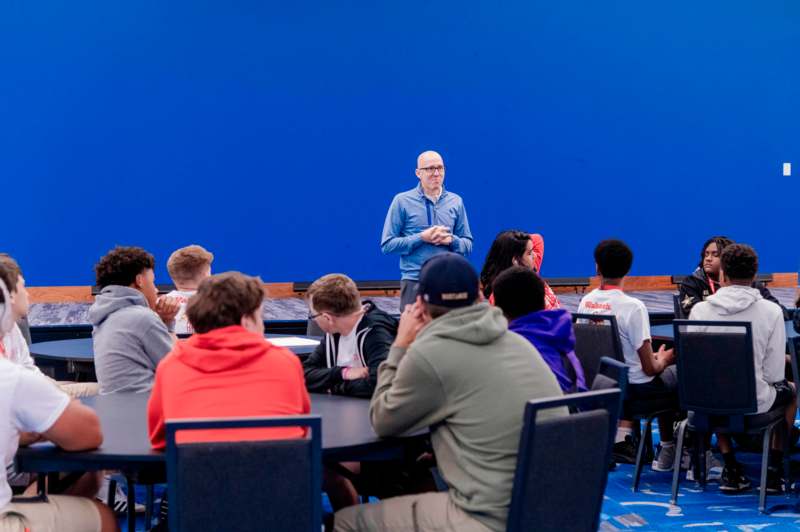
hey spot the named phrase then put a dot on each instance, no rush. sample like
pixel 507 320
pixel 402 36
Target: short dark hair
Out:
pixel 223 300
pixel 721 241
pixel 13 268
pixel 613 258
pixel 739 262
pixel 7 276
pixel 507 246
pixel 121 265
pixel 518 291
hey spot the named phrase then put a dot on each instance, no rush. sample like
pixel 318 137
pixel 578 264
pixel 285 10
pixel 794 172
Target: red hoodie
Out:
pixel 227 372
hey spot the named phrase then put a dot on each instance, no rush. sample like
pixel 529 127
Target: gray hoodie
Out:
pixel 468 378
pixel 742 303
pixel 129 340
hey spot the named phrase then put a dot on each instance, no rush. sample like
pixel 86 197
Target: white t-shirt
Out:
pixel 182 325
pixel 15 349
pixel 632 320
pixel 347 354
pixel 29 402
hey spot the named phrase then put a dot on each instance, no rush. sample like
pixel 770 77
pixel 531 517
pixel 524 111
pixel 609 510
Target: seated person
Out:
pixel 519 293
pixel 357 338
pixel 454 367
pixel 33 409
pixel 187 267
pixel 228 368
pixel 515 248
pixel 706 280
pixel 129 321
pixel 738 300
pixel 651 375
pixel 14 346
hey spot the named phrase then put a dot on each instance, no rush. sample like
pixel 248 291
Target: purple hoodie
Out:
pixel 550 332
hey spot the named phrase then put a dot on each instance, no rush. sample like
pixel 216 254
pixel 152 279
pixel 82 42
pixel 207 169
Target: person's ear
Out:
pixel 514 262
pixel 138 281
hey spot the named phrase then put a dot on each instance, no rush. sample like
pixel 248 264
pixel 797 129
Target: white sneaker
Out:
pixel 665 458
pixel 120 498
pixel 713 469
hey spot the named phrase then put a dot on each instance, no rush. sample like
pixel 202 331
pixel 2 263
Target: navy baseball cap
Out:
pixel 448 280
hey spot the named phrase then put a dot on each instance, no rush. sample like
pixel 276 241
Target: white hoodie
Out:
pixel 742 303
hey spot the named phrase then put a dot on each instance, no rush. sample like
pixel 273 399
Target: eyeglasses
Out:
pixel 314 316
pixel 433 169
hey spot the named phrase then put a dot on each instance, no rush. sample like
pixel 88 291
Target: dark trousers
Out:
pixel 408 293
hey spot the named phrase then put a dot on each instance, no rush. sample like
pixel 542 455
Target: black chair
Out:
pixel 719 401
pixel 245 485
pixel 562 464
pixel 612 374
pixel 596 336
pixel 677 307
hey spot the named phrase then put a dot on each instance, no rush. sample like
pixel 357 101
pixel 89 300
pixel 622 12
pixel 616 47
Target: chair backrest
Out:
pixel 245 485
pixel 791 345
pixel 677 307
pixel 562 464
pixel 716 370
pixel 596 336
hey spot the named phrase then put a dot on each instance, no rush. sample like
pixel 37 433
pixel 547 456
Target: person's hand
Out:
pixel 352 374
pixel 666 356
pixel 167 308
pixel 429 234
pixel 411 322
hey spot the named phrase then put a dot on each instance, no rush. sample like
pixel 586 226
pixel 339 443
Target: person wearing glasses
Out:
pixel 423 222
pixel 357 338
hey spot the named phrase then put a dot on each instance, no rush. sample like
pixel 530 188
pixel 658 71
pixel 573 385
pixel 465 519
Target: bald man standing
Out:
pixel 423 222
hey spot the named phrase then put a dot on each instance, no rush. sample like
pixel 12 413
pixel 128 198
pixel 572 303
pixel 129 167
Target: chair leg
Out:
pixel 148 509
pixel 787 470
pixel 640 453
pixel 762 489
pixel 111 496
pixel 701 461
pixel 676 466
pixel 131 502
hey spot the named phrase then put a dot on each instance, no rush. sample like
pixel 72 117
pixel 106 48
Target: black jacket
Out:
pixel 374 336
pixel 695 288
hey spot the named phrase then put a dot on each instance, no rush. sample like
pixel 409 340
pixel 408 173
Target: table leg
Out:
pixel 148 510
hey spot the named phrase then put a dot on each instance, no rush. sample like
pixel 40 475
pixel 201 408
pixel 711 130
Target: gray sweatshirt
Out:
pixel 129 340
pixel 467 378
pixel 742 303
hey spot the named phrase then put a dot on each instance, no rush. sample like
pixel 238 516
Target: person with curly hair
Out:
pixel 515 248
pixel 131 324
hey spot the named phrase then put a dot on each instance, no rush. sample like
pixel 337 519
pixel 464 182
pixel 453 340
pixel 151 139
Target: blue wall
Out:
pixel 276 133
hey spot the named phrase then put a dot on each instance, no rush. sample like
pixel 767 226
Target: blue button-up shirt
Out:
pixel 410 214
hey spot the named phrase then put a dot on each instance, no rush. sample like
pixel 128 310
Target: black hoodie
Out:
pixel 375 334
pixel 696 288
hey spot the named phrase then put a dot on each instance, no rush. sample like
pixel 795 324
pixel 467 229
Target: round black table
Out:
pixel 82 349
pixel 347 435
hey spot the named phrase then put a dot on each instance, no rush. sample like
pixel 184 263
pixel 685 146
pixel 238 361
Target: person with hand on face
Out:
pixel 424 221
pixel 515 248
pixel 456 368
pixel 131 324
pixel 357 338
